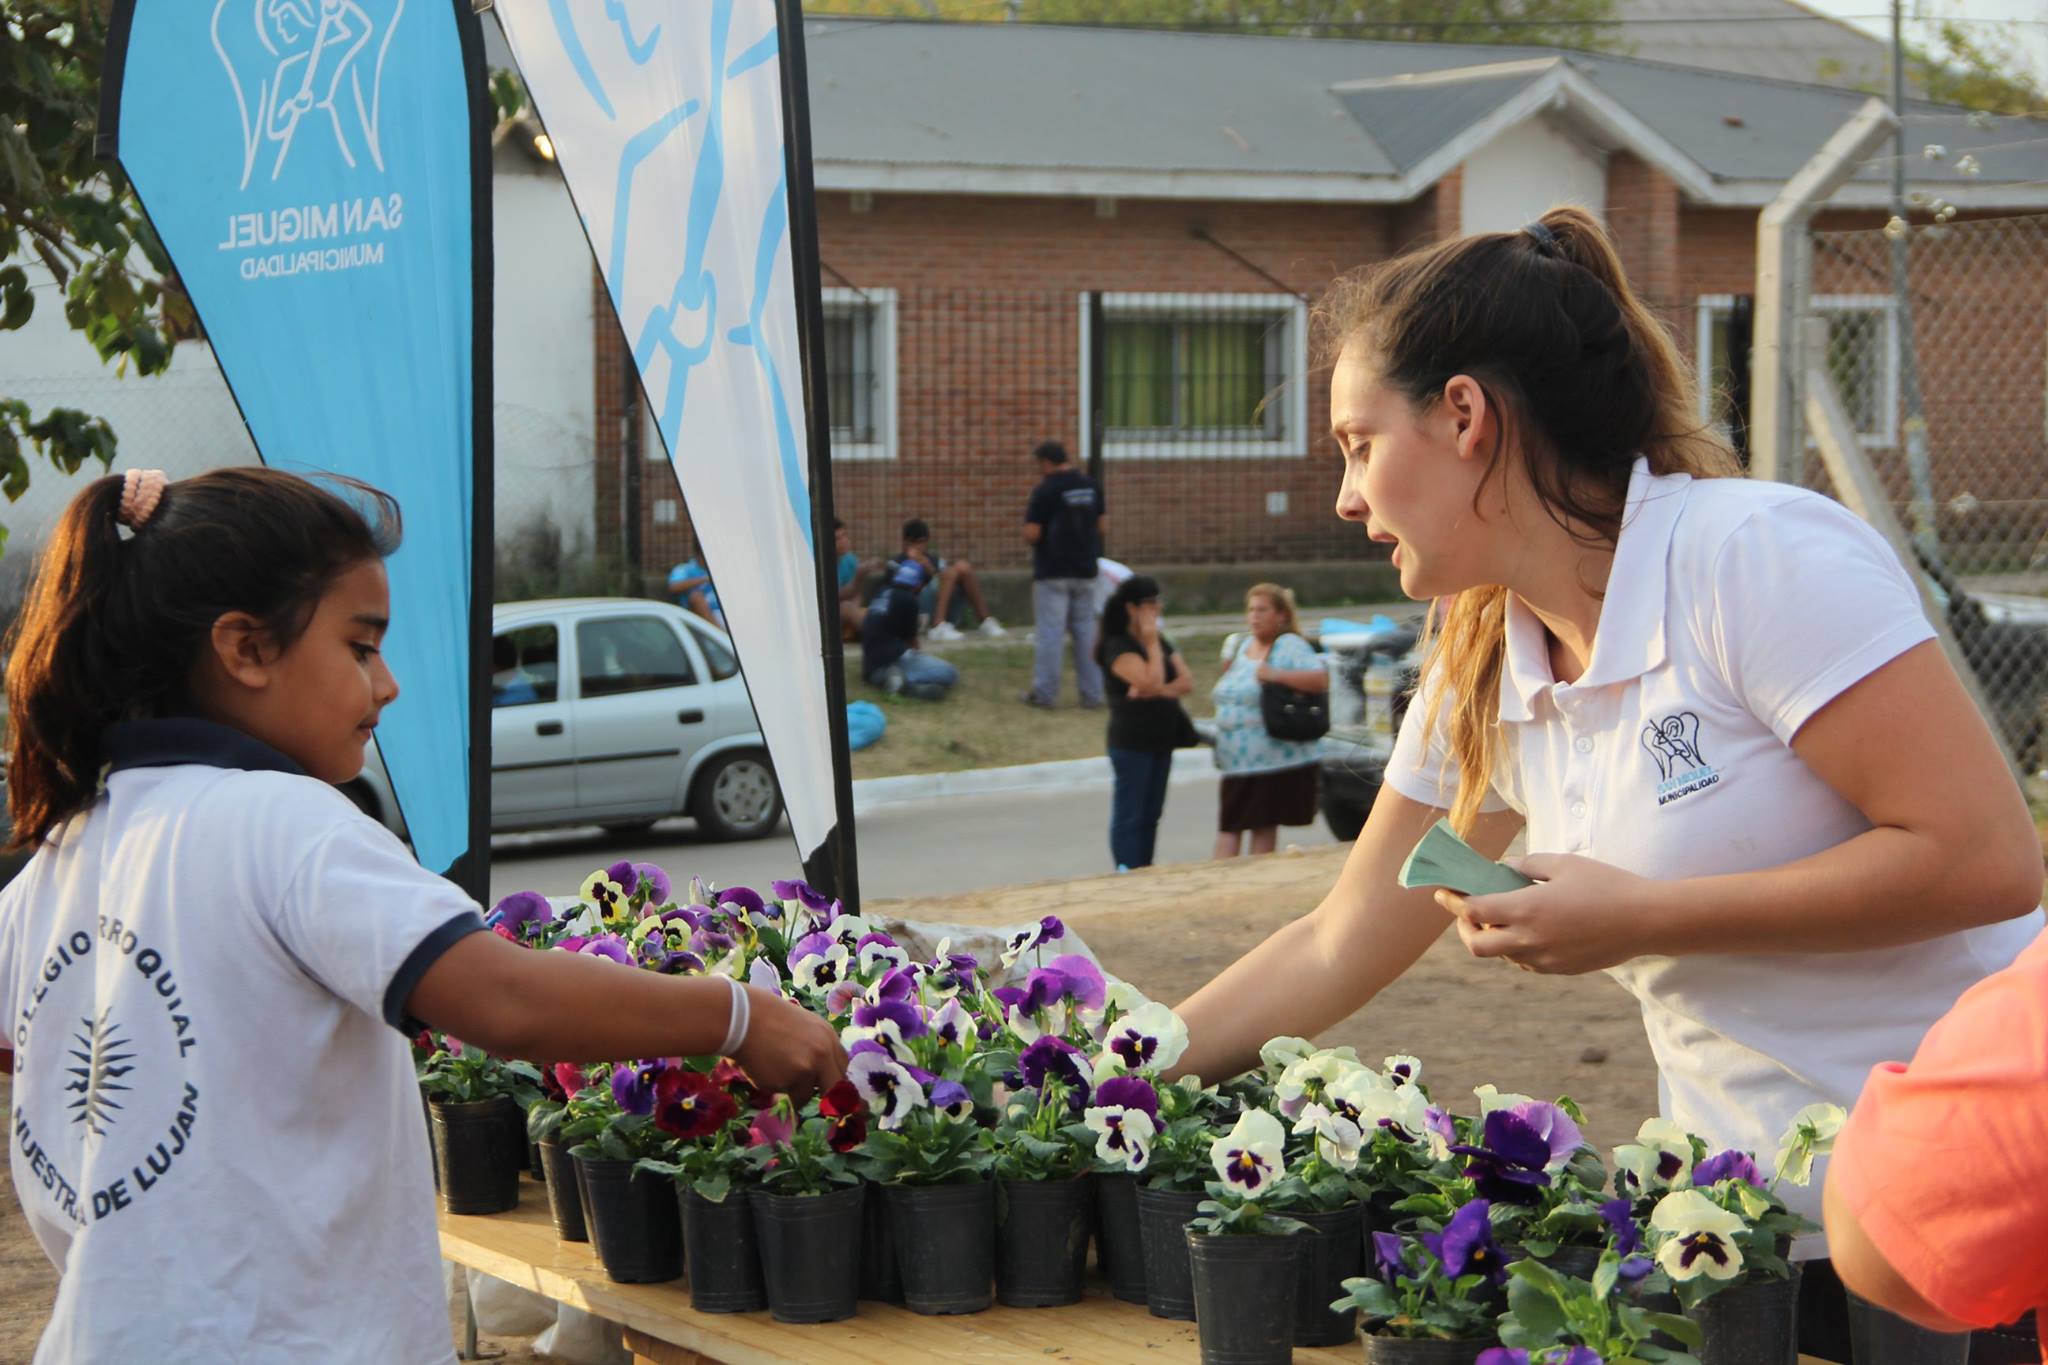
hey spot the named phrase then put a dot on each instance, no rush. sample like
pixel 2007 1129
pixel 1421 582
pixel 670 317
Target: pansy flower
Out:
pixel 1699 1237
pixel 761 972
pixel 952 1025
pixel 610 946
pixel 846 1116
pixel 1337 1139
pixel 1508 1163
pixel 1046 931
pixel 1466 1246
pixel 887 1086
pixel 1728 1165
pixel 1812 1133
pixel 1280 1053
pixel 878 952
pixel 1149 1038
pixel 1390 1254
pixel 1626 1239
pixel 849 930
pixel 601 892
pixel 906 1017
pixel 520 909
pixel 741 901
pixel 1056 1059
pixel 690 1104
pixel 1659 1159
pixel 1491 1098
pixel 949 972
pixel 1555 1127
pixel 819 961
pixel 1250 1156
pixel 1124 1119
pixel 633 1087
pixel 951 1099
pixel 806 895
pixel 772 1127
pixel 654 888
pixel 569 1076
pixel 842 996
pixel 1401 1069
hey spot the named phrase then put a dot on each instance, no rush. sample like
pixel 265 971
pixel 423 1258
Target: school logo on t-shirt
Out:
pixel 1674 742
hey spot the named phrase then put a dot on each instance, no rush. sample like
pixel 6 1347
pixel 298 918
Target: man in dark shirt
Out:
pixel 1063 524
pixel 889 656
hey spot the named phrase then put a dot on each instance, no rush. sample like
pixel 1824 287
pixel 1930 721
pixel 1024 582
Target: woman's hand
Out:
pixel 1581 916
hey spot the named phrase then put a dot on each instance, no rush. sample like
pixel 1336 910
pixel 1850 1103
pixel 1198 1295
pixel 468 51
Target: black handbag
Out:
pixel 1293 715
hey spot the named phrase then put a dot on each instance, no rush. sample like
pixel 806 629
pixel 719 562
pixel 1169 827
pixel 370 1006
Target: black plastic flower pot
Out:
pixel 633 1221
pixel 723 1255
pixel 535 1167
pixel 1880 1338
pixel 881 1279
pixel 810 1253
pixel 1578 1263
pixel 1163 1217
pixel 565 1198
pixel 1118 1246
pixel 1401 1351
pixel 1754 1323
pixel 945 1245
pixel 472 1159
pixel 1330 1252
pixel 1042 1242
pixel 1244 1297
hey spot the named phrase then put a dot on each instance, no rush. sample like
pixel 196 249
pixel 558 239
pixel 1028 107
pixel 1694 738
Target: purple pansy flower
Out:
pixel 1388 1253
pixel 1503 1355
pixel 811 899
pixel 1129 1092
pixel 1729 1165
pixel 611 946
pixel 1466 1244
pixel 952 1099
pixel 1038 935
pixel 1085 986
pixel 520 909
pixel 633 1087
pixel 1508 1165
pixel 746 899
pixel 655 882
pixel 907 1017
pixel 1056 1058
pixel 811 945
pixel 1554 1126
pixel 952 1024
pixel 625 874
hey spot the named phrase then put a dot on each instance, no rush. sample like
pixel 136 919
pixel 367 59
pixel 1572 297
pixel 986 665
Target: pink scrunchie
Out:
pixel 141 491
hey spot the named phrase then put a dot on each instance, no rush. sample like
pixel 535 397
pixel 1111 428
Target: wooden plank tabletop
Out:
pixel 520 1248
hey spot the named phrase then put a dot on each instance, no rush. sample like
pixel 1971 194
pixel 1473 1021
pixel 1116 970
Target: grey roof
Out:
pixel 1043 97
pixel 1781 40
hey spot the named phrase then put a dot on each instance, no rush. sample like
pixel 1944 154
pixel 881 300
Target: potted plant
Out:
pixel 1042 1154
pixel 561 1083
pixel 1721 1235
pixel 1437 1292
pixel 1244 1263
pixel 1137 1039
pixel 807 1210
pixel 1173 1189
pixel 611 1128
pixel 1556 1319
pixel 709 1159
pixel 475 1109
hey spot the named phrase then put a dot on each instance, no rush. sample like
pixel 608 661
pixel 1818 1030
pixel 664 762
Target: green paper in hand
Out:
pixel 1443 859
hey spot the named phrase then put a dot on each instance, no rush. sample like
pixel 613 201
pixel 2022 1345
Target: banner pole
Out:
pixel 833 868
pixel 472 871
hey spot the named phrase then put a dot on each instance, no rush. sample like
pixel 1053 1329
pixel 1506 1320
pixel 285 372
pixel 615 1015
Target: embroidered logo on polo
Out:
pixel 1674 742
pixel 123 1106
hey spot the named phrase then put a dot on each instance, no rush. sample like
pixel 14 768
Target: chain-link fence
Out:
pixel 1945 382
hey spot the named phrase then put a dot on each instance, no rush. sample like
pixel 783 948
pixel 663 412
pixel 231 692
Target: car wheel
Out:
pixel 737 797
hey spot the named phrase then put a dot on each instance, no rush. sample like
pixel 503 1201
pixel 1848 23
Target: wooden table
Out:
pixel 661 1328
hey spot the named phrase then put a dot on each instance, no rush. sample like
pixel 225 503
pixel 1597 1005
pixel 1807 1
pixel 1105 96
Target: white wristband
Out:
pixel 742 1012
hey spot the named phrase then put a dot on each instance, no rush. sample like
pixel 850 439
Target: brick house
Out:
pixel 977 181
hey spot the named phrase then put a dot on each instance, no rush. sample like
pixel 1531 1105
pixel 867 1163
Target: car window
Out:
pixel 718 655
pixel 525 666
pixel 630 654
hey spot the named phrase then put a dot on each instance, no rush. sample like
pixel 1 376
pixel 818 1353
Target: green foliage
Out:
pixel 1548 1309
pixel 78 219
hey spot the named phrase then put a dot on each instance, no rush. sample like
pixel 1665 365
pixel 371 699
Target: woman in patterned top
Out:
pixel 1267 782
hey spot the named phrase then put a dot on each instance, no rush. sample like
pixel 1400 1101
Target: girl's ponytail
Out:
pixel 57 705
pixel 115 620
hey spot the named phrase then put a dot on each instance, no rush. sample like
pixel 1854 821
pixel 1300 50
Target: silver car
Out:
pixel 614 712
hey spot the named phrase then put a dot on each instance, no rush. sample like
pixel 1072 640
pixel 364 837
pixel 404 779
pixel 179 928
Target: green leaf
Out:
pixel 1682 1329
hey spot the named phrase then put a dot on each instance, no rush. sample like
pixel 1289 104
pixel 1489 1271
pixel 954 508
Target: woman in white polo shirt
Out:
pixel 1756 793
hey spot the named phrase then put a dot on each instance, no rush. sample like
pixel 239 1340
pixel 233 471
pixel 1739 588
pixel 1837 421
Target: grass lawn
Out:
pixel 983 725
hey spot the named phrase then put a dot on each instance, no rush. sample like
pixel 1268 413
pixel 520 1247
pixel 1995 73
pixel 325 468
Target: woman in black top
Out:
pixel 1144 679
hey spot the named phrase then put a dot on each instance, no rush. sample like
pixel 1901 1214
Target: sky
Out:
pixel 2025 19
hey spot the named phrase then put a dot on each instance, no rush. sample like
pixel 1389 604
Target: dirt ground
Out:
pixel 1168 930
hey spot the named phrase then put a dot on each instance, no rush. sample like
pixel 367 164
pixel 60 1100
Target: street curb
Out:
pixel 1068 774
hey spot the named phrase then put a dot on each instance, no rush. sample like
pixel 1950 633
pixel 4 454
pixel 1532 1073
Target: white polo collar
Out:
pixel 1629 639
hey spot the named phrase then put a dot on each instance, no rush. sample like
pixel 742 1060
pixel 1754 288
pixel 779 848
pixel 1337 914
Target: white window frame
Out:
pixel 882 355
pixel 1291 401
pixel 1885 435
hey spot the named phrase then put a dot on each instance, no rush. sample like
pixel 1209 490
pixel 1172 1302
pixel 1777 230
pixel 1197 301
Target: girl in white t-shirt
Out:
pixel 1754 790
pixel 210 965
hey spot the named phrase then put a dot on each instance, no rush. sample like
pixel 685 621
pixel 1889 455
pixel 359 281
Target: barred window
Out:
pixel 1193 374
pixel 860 372
pixel 1863 358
